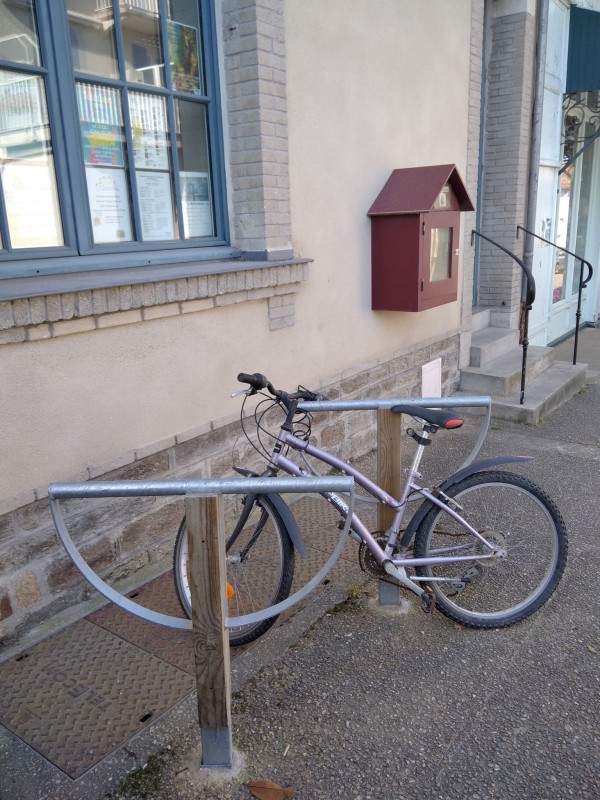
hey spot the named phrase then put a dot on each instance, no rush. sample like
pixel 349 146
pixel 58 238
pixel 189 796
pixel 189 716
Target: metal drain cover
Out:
pixel 78 695
pixel 169 644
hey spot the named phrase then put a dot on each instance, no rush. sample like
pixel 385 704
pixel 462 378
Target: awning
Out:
pixel 583 65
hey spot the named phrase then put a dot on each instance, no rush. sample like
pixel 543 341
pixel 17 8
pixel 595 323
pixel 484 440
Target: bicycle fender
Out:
pixel 284 512
pixel 478 466
pixel 290 523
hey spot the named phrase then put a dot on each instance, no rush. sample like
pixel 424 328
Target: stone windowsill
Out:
pixel 43 308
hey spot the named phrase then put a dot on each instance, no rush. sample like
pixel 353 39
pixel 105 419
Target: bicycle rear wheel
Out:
pixel 260 567
pixel 513 513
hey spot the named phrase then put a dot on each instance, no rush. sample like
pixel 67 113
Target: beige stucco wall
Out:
pixel 367 92
pixel 386 88
pixel 86 399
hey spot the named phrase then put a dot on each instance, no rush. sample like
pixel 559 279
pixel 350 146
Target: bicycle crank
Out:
pixel 389 573
pixel 368 563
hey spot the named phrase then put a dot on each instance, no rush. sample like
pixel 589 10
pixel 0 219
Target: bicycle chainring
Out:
pixel 369 564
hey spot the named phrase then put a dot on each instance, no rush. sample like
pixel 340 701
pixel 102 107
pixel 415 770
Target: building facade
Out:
pixel 185 188
pixel 183 195
pixel 539 161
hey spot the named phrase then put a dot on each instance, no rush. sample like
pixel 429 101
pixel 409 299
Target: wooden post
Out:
pixel 389 477
pixel 207 576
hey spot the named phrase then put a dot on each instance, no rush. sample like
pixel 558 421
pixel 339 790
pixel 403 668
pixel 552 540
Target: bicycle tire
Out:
pixel 260 578
pixel 514 513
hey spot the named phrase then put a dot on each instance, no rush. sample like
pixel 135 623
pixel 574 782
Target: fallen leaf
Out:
pixel 267 790
pixel 591 648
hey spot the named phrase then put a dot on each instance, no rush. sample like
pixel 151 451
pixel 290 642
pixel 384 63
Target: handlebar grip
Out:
pixel 256 380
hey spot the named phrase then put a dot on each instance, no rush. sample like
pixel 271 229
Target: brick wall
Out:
pixel 471 176
pixel 506 158
pixel 255 77
pixel 121 536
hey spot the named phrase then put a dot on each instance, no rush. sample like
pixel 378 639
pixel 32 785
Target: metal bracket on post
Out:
pixel 207 577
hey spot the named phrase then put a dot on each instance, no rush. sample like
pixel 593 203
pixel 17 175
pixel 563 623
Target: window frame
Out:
pixel 79 253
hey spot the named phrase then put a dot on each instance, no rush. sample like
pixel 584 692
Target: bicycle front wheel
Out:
pixel 260 567
pixel 510 512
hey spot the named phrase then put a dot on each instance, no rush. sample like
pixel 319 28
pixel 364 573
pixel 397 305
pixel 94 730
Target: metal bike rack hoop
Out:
pixel 64 491
pixel 422 402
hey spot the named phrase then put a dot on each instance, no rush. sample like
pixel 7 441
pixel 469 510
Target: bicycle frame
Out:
pixel 384 555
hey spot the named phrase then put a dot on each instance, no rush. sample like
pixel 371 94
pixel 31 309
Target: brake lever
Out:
pixel 239 393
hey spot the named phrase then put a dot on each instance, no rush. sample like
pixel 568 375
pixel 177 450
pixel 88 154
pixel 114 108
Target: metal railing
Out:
pixel 527 304
pixel 582 283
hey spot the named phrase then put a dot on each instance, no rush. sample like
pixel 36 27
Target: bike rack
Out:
pixel 65 491
pixel 421 402
pixel 389 437
pixel 209 621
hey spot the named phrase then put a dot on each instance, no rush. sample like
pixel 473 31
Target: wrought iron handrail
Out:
pixel 582 283
pixel 527 303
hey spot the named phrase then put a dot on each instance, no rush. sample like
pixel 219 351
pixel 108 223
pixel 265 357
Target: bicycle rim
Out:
pixel 259 569
pixel 513 513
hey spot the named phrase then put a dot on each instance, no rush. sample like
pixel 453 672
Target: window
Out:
pixel 109 132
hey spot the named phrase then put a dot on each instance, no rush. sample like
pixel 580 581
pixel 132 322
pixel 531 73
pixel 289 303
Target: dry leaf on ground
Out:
pixel 267 790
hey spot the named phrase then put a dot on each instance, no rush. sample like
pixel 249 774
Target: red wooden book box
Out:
pixel 415 227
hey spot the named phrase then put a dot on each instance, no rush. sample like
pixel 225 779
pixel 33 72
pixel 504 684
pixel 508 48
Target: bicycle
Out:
pixel 486 547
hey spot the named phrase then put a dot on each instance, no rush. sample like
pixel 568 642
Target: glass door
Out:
pixel 578 185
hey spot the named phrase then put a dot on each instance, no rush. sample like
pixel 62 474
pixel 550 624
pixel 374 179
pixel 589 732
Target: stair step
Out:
pixel 488 344
pixel 480 319
pixel 502 376
pixel 544 394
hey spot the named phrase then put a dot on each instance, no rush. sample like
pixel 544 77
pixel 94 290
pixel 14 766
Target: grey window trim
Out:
pixel 79 253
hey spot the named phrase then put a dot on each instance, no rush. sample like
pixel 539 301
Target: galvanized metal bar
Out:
pixel 374 405
pixel 64 491
pixel 278 608
pixel 423 402
pixel 101 586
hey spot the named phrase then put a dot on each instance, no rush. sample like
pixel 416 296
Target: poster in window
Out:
pixel 109 204
pixel 31 203
pixel 102 144
pixel 156 205
pixel 149 131
pixel 196 204
pixel 183 55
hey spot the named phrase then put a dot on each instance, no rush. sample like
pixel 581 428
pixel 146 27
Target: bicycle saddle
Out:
pixel 437 417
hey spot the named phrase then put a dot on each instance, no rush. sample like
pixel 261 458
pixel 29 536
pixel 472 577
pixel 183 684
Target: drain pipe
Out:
pixel 535 149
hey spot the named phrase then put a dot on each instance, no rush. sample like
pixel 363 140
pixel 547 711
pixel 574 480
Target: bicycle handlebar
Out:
pixel 258 381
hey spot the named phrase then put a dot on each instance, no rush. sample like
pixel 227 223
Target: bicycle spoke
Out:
pixel 514 516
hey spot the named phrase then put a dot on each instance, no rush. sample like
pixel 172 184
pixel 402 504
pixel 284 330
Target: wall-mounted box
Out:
pixel 415 228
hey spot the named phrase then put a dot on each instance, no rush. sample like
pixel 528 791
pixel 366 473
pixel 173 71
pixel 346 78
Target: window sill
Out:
pixel 45 307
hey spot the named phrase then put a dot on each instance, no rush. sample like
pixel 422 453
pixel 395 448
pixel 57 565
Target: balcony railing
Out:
pixel 149 7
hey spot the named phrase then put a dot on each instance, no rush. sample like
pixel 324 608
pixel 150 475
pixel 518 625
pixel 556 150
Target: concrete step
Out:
pixel 480 319
pixel 488 344
pixel 502 376
pixel 544 394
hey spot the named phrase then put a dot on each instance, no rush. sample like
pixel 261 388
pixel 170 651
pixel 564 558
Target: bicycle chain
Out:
pixel 368 563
